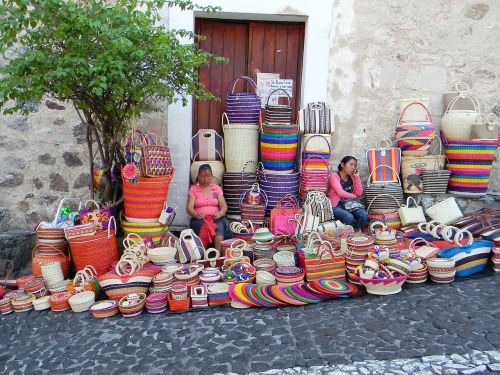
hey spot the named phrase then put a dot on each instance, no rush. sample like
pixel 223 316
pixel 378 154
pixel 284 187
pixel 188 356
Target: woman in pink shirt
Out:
pixel 206 199
pixel 344 191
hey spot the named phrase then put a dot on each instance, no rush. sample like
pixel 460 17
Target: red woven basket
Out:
pixel 178 304
pixel 37 259
pixel 145 198
pixel 98 250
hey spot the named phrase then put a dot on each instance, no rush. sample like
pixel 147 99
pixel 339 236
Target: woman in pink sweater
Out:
pixel 344 189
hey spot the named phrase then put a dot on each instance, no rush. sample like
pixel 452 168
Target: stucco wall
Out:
pixel 379 51
pixel 384 50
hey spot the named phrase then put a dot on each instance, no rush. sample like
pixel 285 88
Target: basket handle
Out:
pixel 216 151
pixel 90 270
pixel 271 94
pixel 461 233
pixel 316 135
pixel 238 244
pixel 383 144
pixel 246 78
pixel 382 195
pixel 287 200
pixel 429 116
pixel 382 166
pixel 411 199
pixel 377 223
pixel 460 86
pixel 463 95
pixel 127 240
pixel 95 203
pixel 415 241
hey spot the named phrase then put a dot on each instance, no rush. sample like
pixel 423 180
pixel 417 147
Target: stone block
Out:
pixel 46 159
pixel 17 246
pixel 11 179
pixel 71 159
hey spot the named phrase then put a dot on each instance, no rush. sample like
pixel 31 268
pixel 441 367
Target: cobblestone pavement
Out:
pixel 414 328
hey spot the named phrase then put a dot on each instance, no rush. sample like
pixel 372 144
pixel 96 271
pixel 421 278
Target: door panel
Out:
pixel 270 47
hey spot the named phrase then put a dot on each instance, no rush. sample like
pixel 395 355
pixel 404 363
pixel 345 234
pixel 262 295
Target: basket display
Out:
pixel 144 198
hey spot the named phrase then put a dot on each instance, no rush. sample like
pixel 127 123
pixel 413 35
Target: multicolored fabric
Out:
pixel 156 161
pixel 388 157
pixel 470 163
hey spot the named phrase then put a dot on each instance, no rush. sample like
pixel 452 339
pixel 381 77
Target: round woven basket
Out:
pixel 81 302
pixel 41 303
pixel 384 287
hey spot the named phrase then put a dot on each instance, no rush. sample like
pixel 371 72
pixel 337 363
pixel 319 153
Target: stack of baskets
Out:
pixel 235 183
pixel 145 189
pixel 358 247
pixel 277 186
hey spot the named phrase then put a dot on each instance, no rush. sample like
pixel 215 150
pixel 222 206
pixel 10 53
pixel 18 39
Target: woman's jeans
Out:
pixel 357 219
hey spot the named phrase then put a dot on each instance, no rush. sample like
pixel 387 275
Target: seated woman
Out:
pixel 206 199
pixel 344 190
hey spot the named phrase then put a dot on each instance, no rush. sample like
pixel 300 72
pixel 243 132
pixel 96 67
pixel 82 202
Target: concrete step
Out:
pixel 17 246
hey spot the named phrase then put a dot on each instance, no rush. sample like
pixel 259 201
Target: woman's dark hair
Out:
pixel 205 167
pixel 346 159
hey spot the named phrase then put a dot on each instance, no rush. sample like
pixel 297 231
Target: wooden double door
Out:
pixel 251 47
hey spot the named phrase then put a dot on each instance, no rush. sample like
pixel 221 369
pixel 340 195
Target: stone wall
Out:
pixel 384 50
pixel 43 157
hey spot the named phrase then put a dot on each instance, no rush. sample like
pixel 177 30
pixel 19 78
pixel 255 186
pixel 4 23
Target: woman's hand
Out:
pixel 218 215
pixel 356 172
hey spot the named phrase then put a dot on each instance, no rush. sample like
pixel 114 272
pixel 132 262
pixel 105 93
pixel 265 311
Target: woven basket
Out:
pixel 435 182
pixel 278 113
pixel 178 304
pixel 147 231
pixel 145 198
pixel 98 251
pixel 116 286
pixel 135 308
pixel 241 147
pixel 217 167
pixel 41 303
pixel 470 163
pixel 278 147
pixel 38 259
pixel 243 107
pixel 384 287
pixel 457 123
pixel 50 236
pixel 81 302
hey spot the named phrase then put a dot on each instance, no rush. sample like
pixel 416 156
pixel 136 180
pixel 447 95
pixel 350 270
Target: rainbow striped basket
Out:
pixel 470 163
pixel 278 147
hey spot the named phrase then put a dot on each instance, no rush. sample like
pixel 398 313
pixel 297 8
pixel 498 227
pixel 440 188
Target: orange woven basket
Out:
pixel 178 304
pixel 99 250
pixel 38 258
pixel 145 198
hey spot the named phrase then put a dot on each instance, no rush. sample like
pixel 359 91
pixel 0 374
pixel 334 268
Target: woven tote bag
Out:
pixel 412 168
pixel 486 129
pixel 277 186
pixel 324 263
pixel 435 182
pixel 283 215
pixel 278 147
pixel 415 135
pixel 385 161
pixel 316 145
pixel 393 189
pixel 99 250
pixel 414 112
pixel 470 164
pixel 207 145
pixel 190 247
pixel 253 206
pixel 39 258
pixel 278 113
pixel 234 185
pixel 145 197
pixel 445 212
pixel 241 146
pixel 155 160
pixel 469 259
pixel 243 107
pixel 316 118
pixel 314 176
pixel 456 124
pixel 411 215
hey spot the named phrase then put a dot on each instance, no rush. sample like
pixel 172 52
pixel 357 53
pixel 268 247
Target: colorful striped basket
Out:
pixel 145 197
pixel 470 163
pixel 414 135
pixel 278 147
pixel 147 231
pixel 315 171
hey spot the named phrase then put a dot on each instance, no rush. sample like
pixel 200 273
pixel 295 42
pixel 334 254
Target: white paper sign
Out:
pixel 264 87
pixel 284 84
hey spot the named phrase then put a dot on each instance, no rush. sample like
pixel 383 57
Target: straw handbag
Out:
pixel 145 197
pixel 384 162
pixel 253 205
pixel 282 216
pixel 457 124
pixel 411 215
pixel 393 189
pixel 243 107
pixel 98 250
pixel 99 215
pixel 278 113
pixel 414 135
pixel 190 247
pixel 486 128
pixel 445 212
pixel 316 145
pixel 316 118
pixel 155 160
